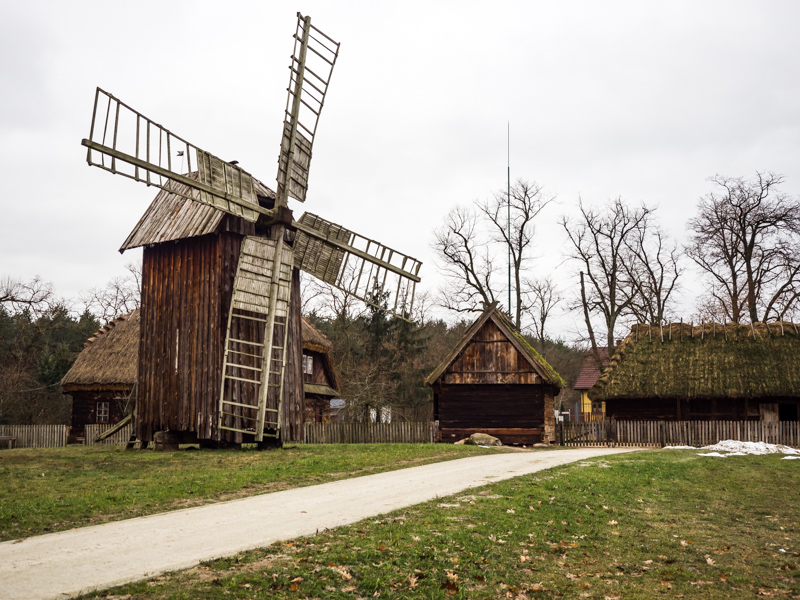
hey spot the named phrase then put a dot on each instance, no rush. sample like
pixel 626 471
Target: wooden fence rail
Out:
pixel 118 439
pixel 36 436
pixel 370 433
pixel 677 433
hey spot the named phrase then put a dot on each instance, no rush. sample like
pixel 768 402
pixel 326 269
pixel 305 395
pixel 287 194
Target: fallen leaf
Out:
pixel 297 580
pixel 710 561
pixel 613 523
pixel 511 511
pixel 412 581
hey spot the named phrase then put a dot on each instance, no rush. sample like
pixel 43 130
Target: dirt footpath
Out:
pixel 69 563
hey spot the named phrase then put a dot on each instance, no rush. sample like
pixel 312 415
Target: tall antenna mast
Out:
pixel 508 157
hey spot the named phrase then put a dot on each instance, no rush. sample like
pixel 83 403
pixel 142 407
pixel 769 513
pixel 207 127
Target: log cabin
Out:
pixel 320 384
pixel 495 382
pixel 102 379
pixel 189 260
pixel 678 372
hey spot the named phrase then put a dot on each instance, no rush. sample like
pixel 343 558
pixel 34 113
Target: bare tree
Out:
pixel 600 244
pixel 653 273
pixel 542 297
pixel 745 237
pixel 16 295
pixel 464 261
pixel 119 296
pixel 527 201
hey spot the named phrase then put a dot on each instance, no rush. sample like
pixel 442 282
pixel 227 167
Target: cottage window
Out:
pixel 102 412
pixel 308 367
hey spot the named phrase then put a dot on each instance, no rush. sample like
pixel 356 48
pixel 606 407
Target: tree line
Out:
pixel 744 241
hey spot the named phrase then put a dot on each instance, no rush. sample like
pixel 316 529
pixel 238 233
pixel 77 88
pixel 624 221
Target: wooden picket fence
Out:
pixel 36 436
pixel 676 433
pixel 370 433
pixel 120 438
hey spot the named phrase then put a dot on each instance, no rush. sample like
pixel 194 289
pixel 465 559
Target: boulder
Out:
pixel 483 439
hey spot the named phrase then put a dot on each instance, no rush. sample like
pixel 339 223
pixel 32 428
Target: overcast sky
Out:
pixel 643 100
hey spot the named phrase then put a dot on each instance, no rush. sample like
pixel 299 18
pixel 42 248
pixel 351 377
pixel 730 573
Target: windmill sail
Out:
pixel 125 142
pixel 310 71
pixel 359 266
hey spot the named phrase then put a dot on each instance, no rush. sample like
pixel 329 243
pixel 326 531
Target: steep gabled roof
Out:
pixel 108 360
pixel 591 369
pixel 710 361
pixel 539 364
pixel 171 216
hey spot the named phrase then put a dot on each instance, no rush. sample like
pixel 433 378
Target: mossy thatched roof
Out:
pixel 536 360
pixel 314 339
pixel 108 360
pixel 709 361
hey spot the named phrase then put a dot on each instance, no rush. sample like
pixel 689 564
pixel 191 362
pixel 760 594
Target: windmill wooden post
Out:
pixel 221 348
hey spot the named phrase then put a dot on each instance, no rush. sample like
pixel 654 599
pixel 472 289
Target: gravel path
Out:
pixel 69 563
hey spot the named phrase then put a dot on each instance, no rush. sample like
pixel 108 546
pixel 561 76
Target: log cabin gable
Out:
pixel 490 357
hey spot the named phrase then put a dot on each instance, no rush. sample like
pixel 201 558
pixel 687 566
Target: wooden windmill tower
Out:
pixel 220 346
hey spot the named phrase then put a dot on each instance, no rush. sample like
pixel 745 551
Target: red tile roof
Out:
pixel 590 371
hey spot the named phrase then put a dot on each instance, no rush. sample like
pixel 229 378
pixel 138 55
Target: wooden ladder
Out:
pixel 255 342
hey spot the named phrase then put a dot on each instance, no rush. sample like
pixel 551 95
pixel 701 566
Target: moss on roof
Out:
pixel 547 372
pixel 710 361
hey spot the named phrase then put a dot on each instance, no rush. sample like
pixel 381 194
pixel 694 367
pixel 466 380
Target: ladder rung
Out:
pixel 248 431
pixel 239 416
pixel 242 379
pixel 251 318
pixel 245 342
pixel 238 366
pixel 232 403
pixel 259 356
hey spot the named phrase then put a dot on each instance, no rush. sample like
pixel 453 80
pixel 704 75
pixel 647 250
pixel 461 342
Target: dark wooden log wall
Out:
pixel 514 413
pixel 84 408
pixel 317 409
pixel 490 358
pixel 694 409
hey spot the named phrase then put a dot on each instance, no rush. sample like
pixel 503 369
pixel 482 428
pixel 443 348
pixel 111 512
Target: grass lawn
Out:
pixel 51 489
pixel 664 524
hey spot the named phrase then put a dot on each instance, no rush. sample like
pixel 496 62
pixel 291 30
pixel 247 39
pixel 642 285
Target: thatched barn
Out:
pixel 102 378
pixel 709 372
pixel 190 255
pixel 494 382
pixel 585 409
pixel 320 384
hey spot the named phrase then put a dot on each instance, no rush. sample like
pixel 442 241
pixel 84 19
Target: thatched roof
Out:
pixel 313 339
pixel 710 361
pixel 493 313
pixel 173 216
pixel 592 367
pixel 108 360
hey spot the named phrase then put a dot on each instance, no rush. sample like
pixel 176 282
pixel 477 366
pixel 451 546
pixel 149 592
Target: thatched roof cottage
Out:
pixel 320 384
pixel 103 376
pixel 709 372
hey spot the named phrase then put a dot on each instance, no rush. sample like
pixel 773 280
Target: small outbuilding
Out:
pixel 709 372
pixel 102 378
pixel 585 409
pixel 495 382
pixel 320 385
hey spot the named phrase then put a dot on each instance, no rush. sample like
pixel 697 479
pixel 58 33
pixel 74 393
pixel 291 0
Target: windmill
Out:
pixel 252 373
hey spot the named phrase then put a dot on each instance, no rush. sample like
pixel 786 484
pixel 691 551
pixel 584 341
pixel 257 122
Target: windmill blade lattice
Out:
pixel 310 71
pixel 364 268
pixel 125 142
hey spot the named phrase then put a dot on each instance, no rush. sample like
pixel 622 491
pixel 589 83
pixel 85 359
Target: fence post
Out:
pixel 661 434
pixel 561 433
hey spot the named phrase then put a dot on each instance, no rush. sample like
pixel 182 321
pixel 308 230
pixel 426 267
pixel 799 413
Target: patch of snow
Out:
pixel 736 448
pixel 791 458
